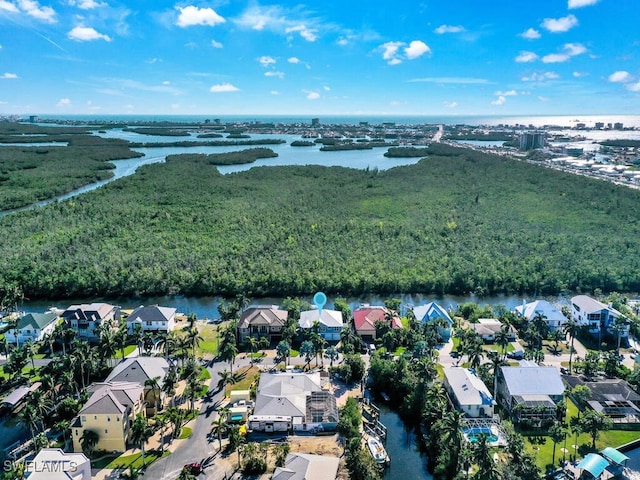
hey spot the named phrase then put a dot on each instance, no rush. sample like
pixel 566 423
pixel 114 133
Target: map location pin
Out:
pixel 319 299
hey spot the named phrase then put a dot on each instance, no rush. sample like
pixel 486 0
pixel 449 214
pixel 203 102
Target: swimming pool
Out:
pixel 473 433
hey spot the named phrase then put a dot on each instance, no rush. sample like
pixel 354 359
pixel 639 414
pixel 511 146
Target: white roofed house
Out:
pixel 330 322
pixel 587 311
pixel 54 464
pixel 304 466
pixel 530 392
pixel 468 392
pixel 87 318
pixel 552 316
pixel 152 319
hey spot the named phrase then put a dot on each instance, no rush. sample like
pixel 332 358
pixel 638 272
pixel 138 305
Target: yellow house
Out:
pixel 109 412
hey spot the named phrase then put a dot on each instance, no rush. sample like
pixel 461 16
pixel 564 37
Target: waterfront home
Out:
pixel 293 402
pixel 304 466
pixel 366 316
pixel 53 464
pixel 152 319
pixel 86 319
pixel 262 321
pixel 141 370
pixel 613 397
pixel 432 312
pixel 468 392
pixel 109 412
pixel 488 328
pixel 32 327
pixel 587 311
pixel 551 315
pixel 330 323
pixel 530 392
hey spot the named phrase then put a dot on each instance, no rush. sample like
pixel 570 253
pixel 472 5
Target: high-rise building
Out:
pixel 315 121
pixel 532 140
pixel 618 126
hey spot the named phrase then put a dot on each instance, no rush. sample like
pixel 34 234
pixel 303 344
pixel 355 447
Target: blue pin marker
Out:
pixel 320 299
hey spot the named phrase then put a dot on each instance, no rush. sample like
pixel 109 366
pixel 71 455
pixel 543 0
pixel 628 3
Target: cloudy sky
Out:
pixel 457 57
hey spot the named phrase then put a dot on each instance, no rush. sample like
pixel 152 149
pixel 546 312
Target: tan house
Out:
pixel 109 412
pixel 262 321
pixel 140 370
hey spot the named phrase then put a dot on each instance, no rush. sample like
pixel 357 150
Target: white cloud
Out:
pixel 166 82
pixel 531 34
pixel 64 102
pixel 510 93
pixel 543 99
pixel 390 50
pixel 570 50
pixel 313 95
pixel 223 88
pixel 8 7
pixel 294 60
pixel 540 77
pixel 305 32
pixel 450 104
pixel 580 74
pixel 215 44
pixel 266 60
pixel 86 34
pixel 633 87
pixel 273 73
pixel 275 92
pixel 86 4
pixel 8 75
pixel 191 15
pixel 394 61
pixel 33 9
pixel 621 76
pixel 559 25
pixel 526 57
pixel 342 41
pixel 416 49
pixel 580 3
pixel 499 101
pixel 449 29
pixel 326 88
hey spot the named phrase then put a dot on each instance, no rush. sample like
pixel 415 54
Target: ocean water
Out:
pixel 536 120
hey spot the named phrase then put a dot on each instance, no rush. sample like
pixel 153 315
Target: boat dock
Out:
pixel 371 418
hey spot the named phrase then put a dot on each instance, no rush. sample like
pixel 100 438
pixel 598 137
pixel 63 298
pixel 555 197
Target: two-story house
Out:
pixel 87 318
pixel 262 321
pixel 152 319
pixel 149 372
pixel 109 412
pixel 32 327
pixel 551 315
pixel 330 323
pixel 468 392
pixel 365 318
pixel 434 313
pixel 587 311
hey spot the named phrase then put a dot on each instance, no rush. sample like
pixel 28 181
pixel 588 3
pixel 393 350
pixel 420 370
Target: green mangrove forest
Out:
pixel 458 221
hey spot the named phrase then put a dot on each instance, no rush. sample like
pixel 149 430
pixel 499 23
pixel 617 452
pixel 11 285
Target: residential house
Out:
pixel 330 322
pixel 262 321
pixel 87 318
pixel 32 327
pixel 587 311
pixel 152 319
pixel 304 466
pixel 366 316
pixel 468 392
pixel 432 312
pixel 488 328
pixel 140 370
pixel 552 316
pixel 530 392
pixel 110 412
pixel 294 402
pixel 55 464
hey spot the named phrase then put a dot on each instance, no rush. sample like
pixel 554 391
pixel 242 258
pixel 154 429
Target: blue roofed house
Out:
pixel 32 327
pixel 432 312
pixel 530 392
pixel 587 311
pixel 468 392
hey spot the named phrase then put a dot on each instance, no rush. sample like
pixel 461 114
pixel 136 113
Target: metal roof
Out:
pixel 614 456
pixel 467 387
pixel 594 464
pixel 533 380
pixel 329 318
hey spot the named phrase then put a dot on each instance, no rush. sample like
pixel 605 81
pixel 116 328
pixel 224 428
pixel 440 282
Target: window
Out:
pixel 117 419
pixel 106 431
pixel 108 419
pixel 84 419
pixel 95 417
pixel 149 323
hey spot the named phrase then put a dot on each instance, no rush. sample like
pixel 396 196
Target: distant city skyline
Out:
pixel 461 57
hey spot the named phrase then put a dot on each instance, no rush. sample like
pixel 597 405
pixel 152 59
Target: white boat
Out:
pixel 377 450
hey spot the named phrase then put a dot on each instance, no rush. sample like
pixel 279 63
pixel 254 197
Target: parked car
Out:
pixel 516 355
pixel 454 354
pixel 193 468
pixel 564 371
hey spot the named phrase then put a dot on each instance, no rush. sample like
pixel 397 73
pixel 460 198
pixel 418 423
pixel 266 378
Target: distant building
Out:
pixel 532 140
pixel 580 126
pixel 432 312
pixel 599 125
pixel 262 321
pixel 618 126
pixel 552 316
pixel 315 122
pixel 33 118
pixel 366 316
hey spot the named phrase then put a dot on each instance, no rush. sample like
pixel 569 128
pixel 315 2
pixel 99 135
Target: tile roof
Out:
pixel 365 318
pixel 111 397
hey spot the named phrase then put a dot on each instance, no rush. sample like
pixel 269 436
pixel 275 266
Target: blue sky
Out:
pixel 237 57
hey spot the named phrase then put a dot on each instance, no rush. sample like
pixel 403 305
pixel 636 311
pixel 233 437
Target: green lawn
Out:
pixel 498 348
pixel 204 374
pixel 544 451
pixel 248 376
pixel 127 351
pixel 134 460
pixel 209 346
pixel 185 433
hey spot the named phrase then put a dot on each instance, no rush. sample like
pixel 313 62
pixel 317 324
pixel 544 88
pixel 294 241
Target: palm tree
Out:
pixel 169 383
pixel 194 385
pixel 557 433
pixel 120 338
pixel 175 415
pixel 162 420
pixel 502 339
pixel 263 344
pixel 318 343
pixel 89 440
pixel 219 426
pixel 540 325
pixel 41 403
pixel 228 351
pixel 252 343
pixel 31 349
pixel 147 343
pixel 332 354
pixel 482 457
pixel 282 351
pixel 107 345
pixel 226 378
pixel 307 351
pixel 141 431
pixel 194 340
pixel 155 391
pixel 30 418
pixel 475 352
pixel 496 363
